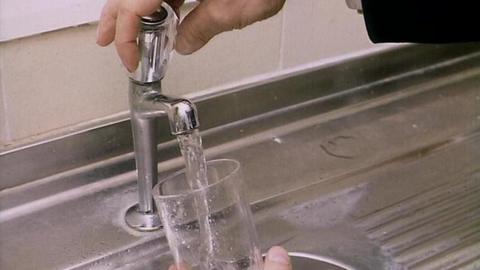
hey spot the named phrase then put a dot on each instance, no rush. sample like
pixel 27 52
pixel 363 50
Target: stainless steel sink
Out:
pixel 314 262
pixel 371 163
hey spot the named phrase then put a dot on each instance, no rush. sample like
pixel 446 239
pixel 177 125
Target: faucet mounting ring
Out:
pixel 144 222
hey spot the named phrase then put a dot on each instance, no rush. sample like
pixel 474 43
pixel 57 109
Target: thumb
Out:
pixel 198 27
pixel 277 259
pixel 213 17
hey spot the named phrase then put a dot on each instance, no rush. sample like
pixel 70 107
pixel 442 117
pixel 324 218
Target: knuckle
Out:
pixel 236 14
pixel 270 7
pixel 125 7
pixel 225 13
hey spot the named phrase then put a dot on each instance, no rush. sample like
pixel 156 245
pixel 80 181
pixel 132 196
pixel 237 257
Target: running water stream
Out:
pixel 195 163
pixel 196 173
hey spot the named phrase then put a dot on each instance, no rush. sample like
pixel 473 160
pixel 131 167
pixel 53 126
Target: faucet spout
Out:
pixel 147 102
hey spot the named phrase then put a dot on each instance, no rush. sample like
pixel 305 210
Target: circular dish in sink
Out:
pixel 305 261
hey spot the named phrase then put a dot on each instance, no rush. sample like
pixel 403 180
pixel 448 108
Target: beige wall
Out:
pixel 57 79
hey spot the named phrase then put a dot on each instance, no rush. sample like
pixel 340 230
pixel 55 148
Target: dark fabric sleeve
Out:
pixel 422 21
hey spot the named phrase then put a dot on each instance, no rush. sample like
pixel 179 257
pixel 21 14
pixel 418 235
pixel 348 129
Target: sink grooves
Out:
pixel 438 229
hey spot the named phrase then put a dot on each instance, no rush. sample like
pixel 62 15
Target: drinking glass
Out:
pixel 210 227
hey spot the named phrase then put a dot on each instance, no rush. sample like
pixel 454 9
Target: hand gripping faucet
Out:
pixel 147 103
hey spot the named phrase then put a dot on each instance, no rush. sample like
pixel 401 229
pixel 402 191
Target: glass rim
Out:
pixel 156 188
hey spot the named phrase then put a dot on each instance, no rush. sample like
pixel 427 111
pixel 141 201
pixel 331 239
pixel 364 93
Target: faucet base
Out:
pixel 143 222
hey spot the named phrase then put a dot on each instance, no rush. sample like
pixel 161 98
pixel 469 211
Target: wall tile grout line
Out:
pixel 282 39
pixel 5 135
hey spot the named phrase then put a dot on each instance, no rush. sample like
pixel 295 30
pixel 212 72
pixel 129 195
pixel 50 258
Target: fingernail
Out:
pixel 130 67
pixel 129 70
pixel 278 255
pixel 98 35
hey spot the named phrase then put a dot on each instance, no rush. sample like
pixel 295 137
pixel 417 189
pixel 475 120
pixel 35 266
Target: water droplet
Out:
pixel 277 140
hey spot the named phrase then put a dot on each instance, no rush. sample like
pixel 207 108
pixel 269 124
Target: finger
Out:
pixel 210 18
pixel 175 4
pixel 127 27
pixel 277 259
pixel 106 25
pixel 199 26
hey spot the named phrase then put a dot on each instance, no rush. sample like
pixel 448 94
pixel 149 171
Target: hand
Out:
pixel 120 20
pixel 277 259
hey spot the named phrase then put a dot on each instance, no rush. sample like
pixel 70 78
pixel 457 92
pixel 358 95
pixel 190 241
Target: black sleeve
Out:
pixel 422 21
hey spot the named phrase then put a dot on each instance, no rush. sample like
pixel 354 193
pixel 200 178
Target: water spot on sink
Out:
pixel 339 147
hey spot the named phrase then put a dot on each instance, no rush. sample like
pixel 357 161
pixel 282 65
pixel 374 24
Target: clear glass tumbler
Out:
pixel 211 227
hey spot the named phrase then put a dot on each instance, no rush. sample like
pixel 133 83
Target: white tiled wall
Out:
pixel 316 30
pixel 61 78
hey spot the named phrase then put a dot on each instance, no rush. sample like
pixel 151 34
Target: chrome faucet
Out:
pixel 147 103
